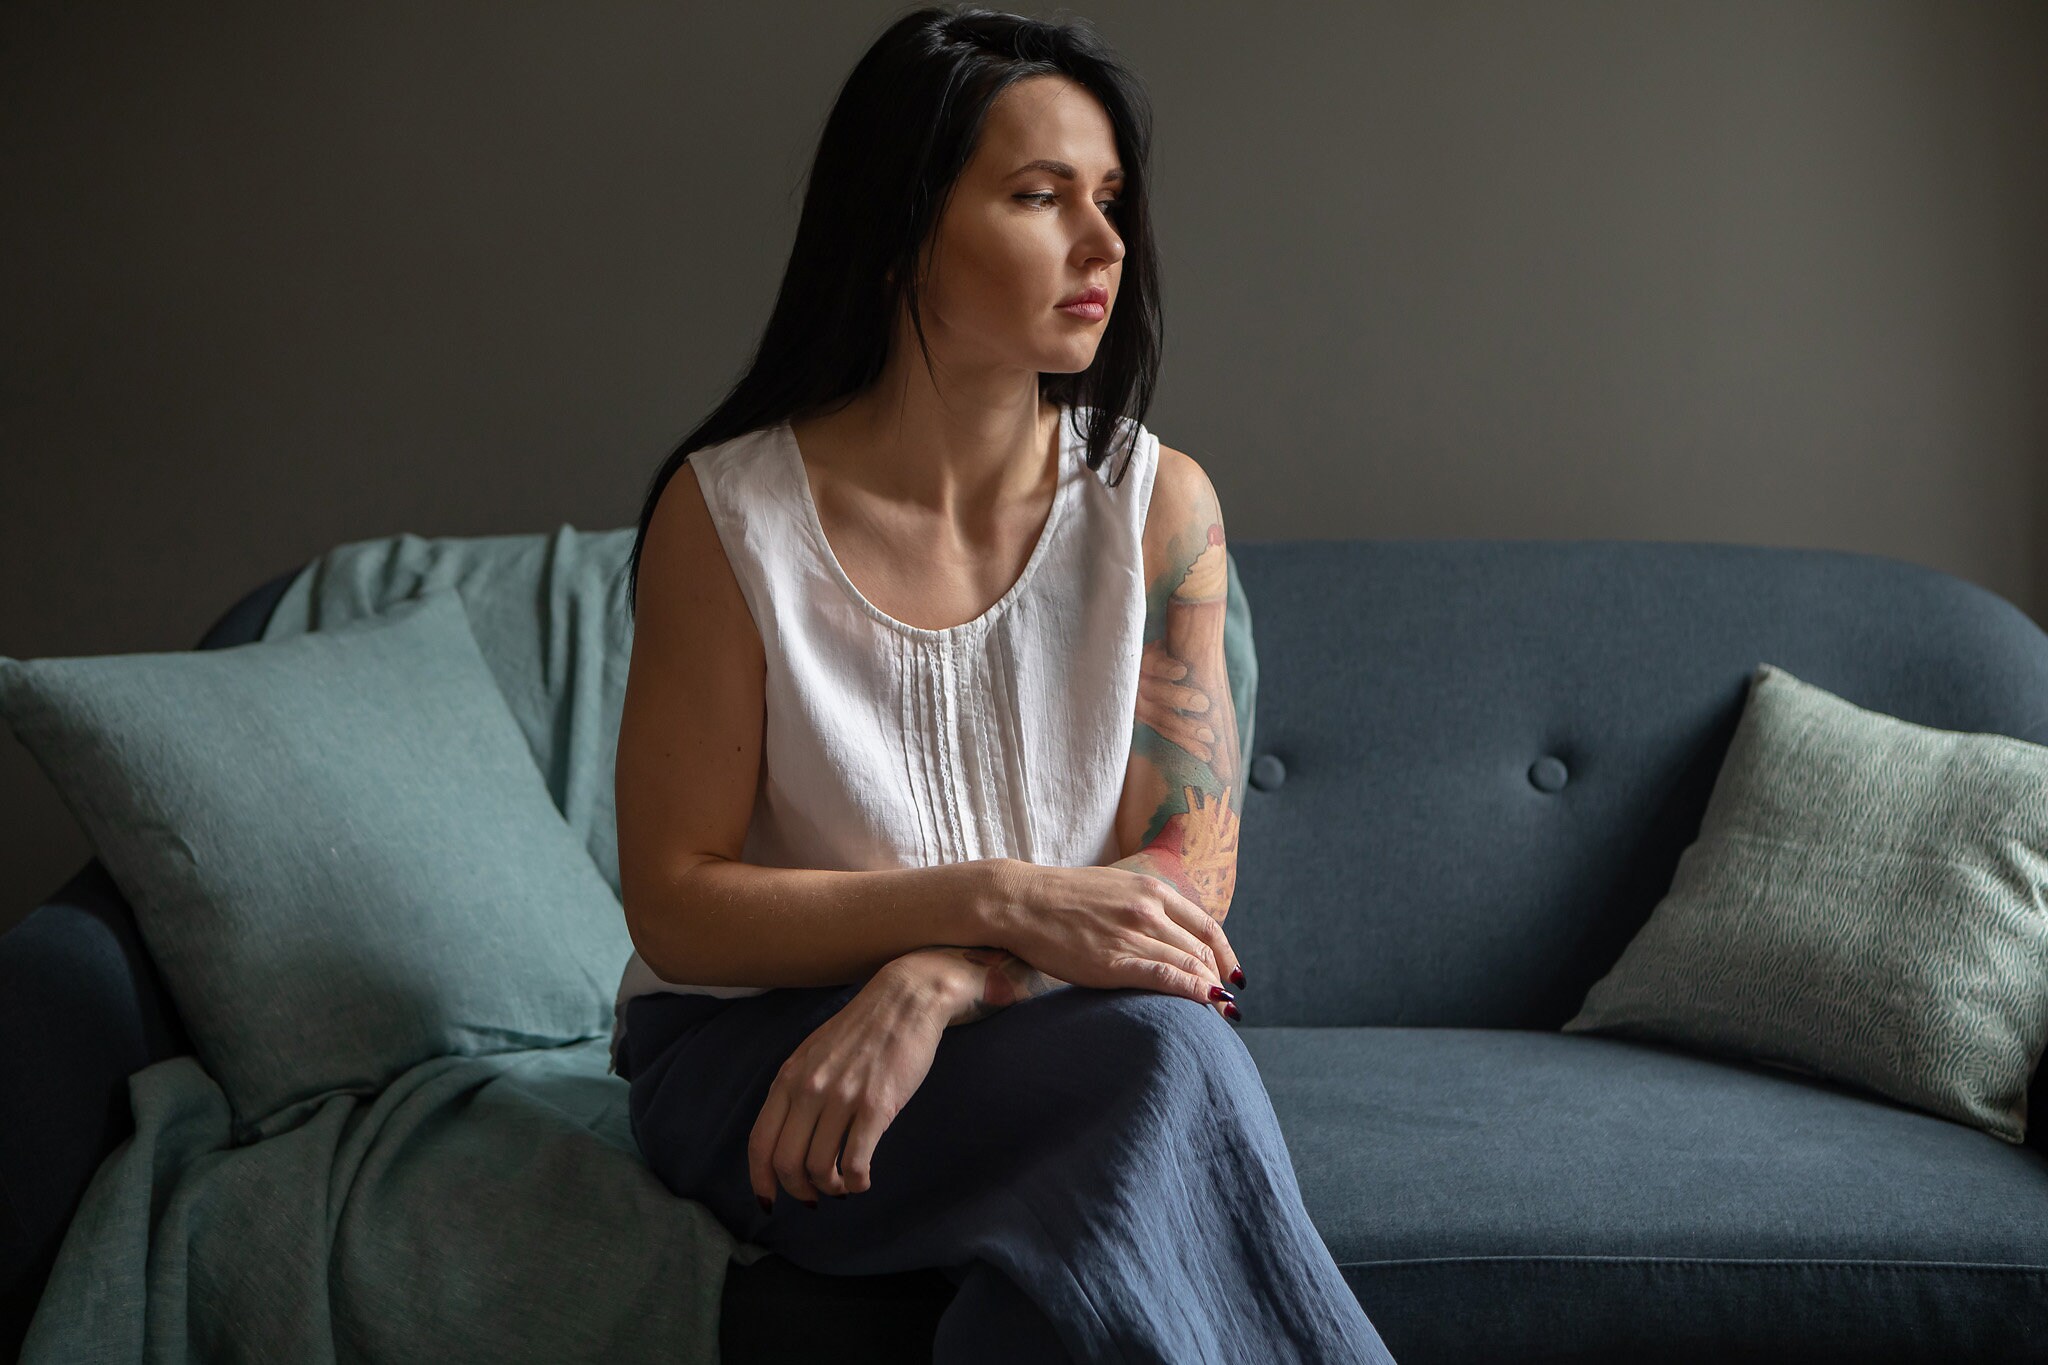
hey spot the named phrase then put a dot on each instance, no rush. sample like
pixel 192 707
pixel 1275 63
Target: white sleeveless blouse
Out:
pixel 889 745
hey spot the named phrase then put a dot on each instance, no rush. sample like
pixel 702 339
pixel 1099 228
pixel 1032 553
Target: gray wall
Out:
pixel 277 277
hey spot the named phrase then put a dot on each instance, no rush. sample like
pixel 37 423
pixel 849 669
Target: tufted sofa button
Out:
pixel 1268 772
pixel 1547 773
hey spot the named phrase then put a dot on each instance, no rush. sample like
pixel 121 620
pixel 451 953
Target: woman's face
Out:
pixel 1016 240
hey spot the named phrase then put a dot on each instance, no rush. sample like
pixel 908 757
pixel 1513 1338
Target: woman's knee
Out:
pixel 1143 1028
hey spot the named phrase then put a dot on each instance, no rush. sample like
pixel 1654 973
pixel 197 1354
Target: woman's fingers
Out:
pixel 1197 984
pixel 1169 977
pixel 1200 924
pixel 857 1158
pixel 787 1140
pixel 822 1161
pixel 1178 957
pixel 1190 953
pixel 761 1143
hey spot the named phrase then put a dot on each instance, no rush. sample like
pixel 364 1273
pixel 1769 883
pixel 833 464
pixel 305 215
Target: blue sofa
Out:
pixel 1477 762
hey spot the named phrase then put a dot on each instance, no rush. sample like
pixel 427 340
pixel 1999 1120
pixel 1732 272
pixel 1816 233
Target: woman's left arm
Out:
pixel 1178 815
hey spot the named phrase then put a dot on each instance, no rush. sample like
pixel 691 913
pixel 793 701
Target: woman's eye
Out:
pixel 1106 205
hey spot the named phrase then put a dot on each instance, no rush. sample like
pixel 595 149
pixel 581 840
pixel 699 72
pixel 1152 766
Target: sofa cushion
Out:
pixel 341 856
pixel 1867 900
pixel 1487 1189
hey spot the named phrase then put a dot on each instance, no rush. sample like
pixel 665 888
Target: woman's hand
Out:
pixel 847 1082
pixel 1109 927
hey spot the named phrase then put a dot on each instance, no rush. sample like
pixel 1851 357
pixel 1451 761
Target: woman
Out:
pixel 928 765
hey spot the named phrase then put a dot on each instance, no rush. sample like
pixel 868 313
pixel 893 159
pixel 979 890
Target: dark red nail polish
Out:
pixel 1218 993
pixel 839 1196
pixel 810 1203
pixel 1231 1011
pixel 1237 977
pixel 767 1204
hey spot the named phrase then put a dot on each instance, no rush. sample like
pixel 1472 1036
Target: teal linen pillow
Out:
pixel 1867 901
pixel 340 852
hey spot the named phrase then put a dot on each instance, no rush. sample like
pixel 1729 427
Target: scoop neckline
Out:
pixel 1062 492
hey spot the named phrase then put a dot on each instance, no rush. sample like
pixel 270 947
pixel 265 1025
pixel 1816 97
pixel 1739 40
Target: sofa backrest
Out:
pixel 1474 762
pixel 1478 761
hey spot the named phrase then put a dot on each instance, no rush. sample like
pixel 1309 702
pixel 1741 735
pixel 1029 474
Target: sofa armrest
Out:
pixel 81 1009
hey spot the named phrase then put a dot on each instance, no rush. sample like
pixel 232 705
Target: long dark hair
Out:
pixel 904 126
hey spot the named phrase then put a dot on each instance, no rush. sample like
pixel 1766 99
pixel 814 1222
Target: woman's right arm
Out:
pixel 689 765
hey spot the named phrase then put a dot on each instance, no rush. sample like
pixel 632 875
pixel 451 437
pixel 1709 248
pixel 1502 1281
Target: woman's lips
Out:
pixel 1089 312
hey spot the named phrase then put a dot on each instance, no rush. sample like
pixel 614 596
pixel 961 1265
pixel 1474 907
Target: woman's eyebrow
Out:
pixel 1061 169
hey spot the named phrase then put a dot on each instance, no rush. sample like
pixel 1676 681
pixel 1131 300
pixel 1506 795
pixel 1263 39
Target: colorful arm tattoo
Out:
pixel 1186 727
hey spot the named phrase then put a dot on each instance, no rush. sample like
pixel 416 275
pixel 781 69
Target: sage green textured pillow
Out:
pixel 1867 901
pixel 339 850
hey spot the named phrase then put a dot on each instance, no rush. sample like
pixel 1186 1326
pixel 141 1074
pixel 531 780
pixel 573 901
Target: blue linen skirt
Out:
pixel 1099 1171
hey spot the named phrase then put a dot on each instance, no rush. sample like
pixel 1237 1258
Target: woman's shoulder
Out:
pixel 1180 478
pixel 1184 517
pixel 743 449
pixel 741 478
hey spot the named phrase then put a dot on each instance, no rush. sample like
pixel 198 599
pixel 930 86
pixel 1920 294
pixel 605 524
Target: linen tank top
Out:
pixel 888 745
